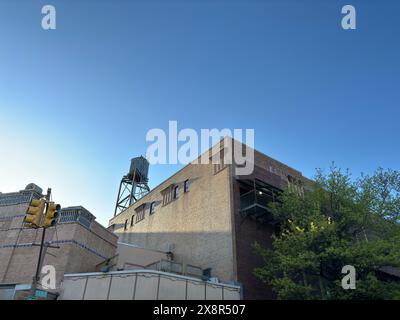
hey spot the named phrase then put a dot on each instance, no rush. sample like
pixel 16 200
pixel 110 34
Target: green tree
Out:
pixel 339 221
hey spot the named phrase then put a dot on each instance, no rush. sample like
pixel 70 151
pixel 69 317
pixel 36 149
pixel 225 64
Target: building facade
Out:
pixel 83 243
pixel 207 216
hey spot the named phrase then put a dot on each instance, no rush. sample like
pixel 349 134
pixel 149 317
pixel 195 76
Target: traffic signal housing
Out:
pixel 35 212
pixel 52 213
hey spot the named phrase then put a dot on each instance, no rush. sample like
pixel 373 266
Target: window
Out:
pixel 140 213
pixel 176 192
pixel 219 162
pixel 186 186
pixel 169 194
pixel 126 225
pixel 218 167
pixel 132 220
pixel 152 207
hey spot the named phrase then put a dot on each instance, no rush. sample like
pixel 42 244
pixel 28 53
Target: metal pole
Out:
pixel 118 199
pixel 36 278
pixel 39 263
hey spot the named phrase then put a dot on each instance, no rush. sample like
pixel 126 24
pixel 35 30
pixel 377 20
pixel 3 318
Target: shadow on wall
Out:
pixel 202 249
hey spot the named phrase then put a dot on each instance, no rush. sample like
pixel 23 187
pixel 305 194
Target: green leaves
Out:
pixel 340 222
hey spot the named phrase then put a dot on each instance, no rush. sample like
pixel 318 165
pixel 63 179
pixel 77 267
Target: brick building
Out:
pixel 208 216
pixel 83 242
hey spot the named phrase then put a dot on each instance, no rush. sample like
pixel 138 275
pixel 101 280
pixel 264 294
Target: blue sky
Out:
pixel 76 102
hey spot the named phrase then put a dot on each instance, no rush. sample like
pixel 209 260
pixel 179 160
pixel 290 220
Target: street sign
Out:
pixel 40 294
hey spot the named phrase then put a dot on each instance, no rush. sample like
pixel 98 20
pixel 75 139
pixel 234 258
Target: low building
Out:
pixel 83 243
pixel 208 216
pixel 136 273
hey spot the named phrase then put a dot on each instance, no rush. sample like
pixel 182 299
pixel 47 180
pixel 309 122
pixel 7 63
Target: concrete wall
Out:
pixel 143 285
pixel 133 257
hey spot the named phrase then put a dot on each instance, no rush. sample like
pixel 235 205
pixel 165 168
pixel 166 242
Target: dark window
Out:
pixel 169 194
pixel 186 186
pixel 140 213
pixel 132 220
pixel 126 225
pixel 219 162
pixel 176 192
pixel 165 198
pixel 152 207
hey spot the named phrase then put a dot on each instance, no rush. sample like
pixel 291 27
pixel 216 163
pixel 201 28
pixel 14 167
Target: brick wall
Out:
pixel 81 249
pixel 249 231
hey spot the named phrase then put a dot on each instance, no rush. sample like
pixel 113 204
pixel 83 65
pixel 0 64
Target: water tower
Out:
pixel 134 185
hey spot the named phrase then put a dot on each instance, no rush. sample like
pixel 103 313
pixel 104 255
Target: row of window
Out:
pixel 172 192
pixel 169 194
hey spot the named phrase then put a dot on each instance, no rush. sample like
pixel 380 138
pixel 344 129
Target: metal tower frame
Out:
pixel 131 189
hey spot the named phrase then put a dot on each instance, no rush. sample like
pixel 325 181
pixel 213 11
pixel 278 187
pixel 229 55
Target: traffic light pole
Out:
pixel 40 260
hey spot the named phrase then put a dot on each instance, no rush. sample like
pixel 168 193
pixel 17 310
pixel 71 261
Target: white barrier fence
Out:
pixel 143 285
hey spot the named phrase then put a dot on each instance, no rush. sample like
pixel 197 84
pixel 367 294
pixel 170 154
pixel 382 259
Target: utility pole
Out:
pixel 41 213
pixel 40 260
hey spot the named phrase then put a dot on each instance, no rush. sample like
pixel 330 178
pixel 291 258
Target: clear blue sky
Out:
pixel 76 102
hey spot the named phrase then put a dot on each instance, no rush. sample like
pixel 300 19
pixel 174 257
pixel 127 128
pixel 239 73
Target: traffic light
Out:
pixel 52 213
pixel 35 212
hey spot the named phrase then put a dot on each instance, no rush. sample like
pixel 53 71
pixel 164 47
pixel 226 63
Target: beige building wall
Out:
pixel 198 224
pixel 133 257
